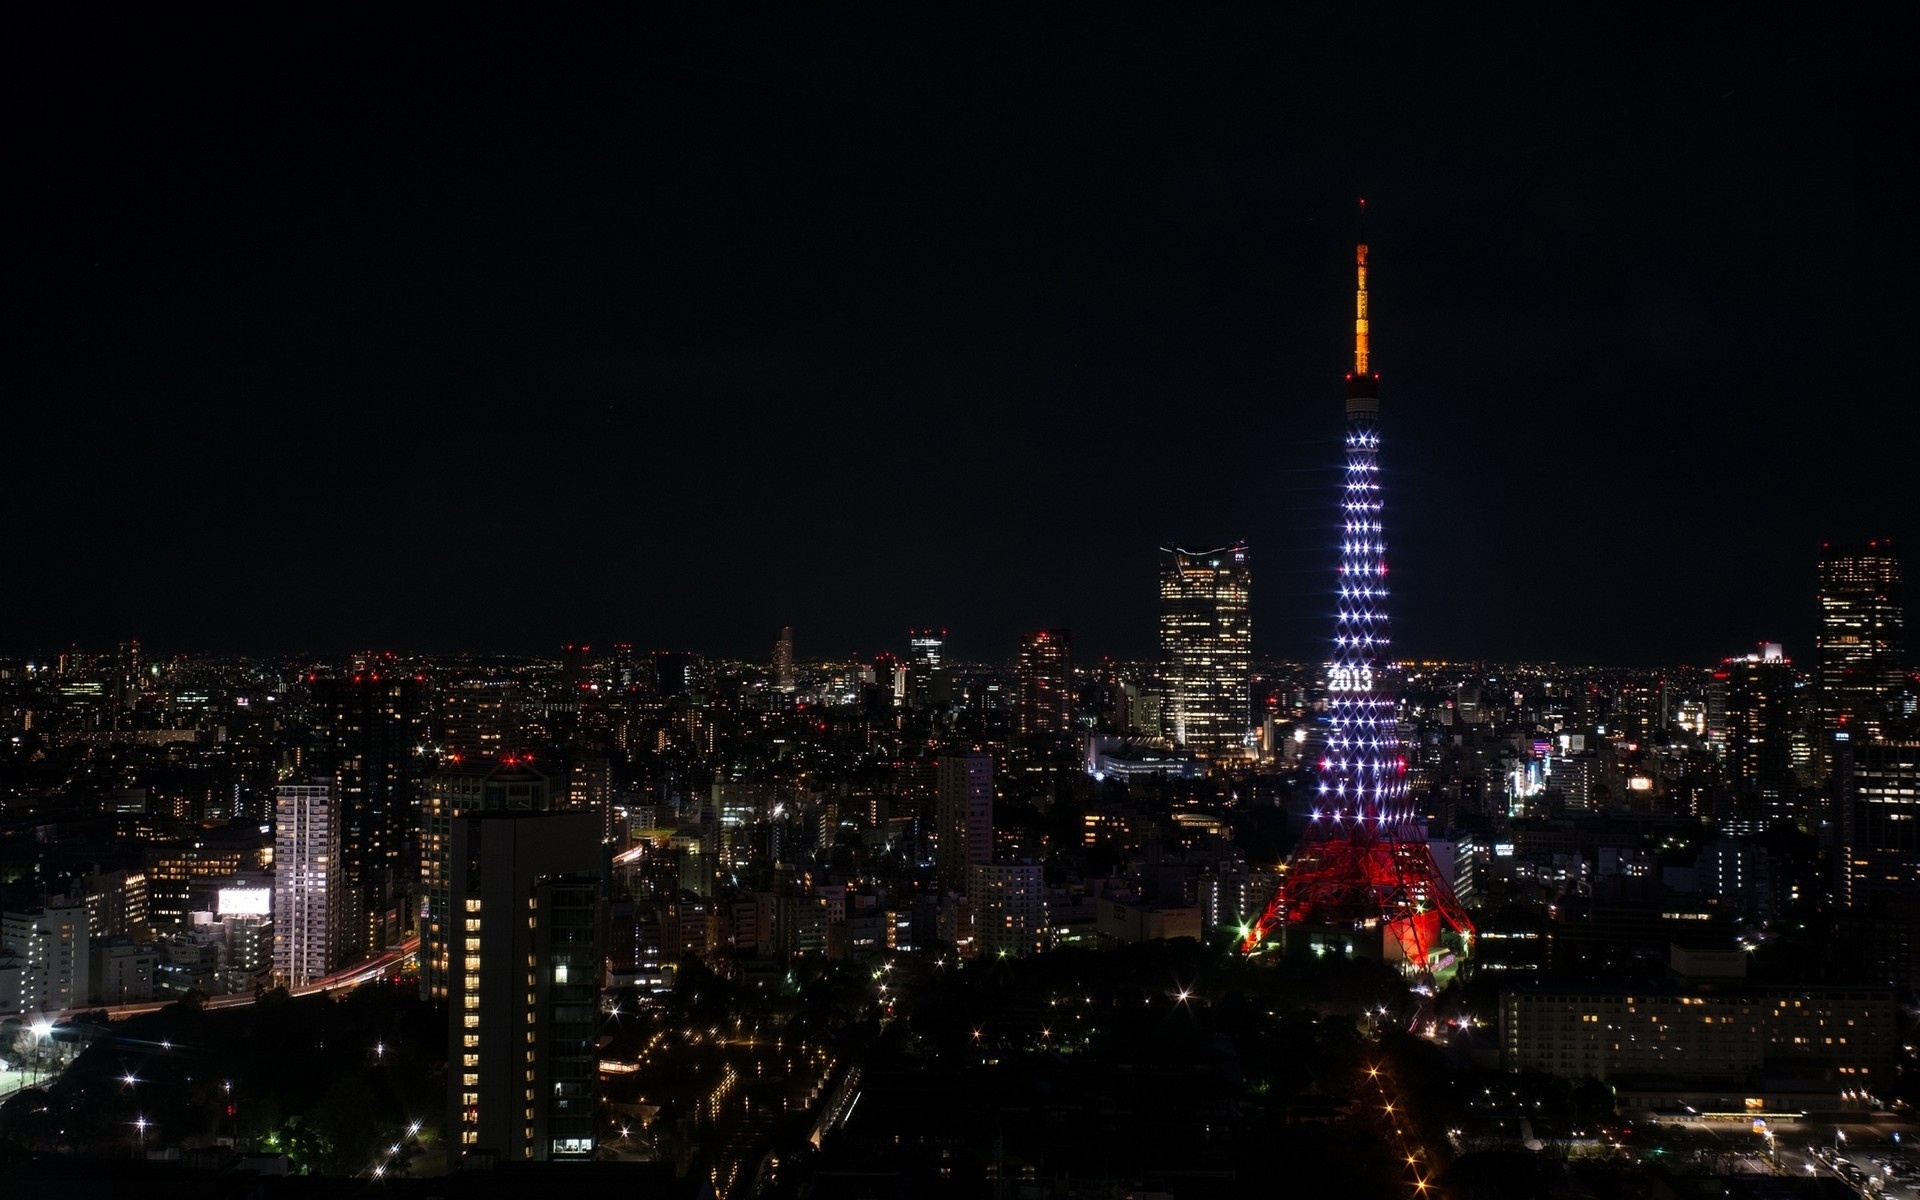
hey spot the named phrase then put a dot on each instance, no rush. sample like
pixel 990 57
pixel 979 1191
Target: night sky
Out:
pixel 443 337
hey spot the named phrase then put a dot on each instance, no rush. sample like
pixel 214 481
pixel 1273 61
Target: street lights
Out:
pixel 42 1030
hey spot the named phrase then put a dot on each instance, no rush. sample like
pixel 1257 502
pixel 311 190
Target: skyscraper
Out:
pixel 480 717
pixel 1045 712
pixel 963 818
pixel 469 786
pixel 1206 646
pixel 783 676
pixel 371 732
pixel 130 673
pixel 527 890
pixel 1862 648
pixel 307 883
pixel 1880 825
pixel 1758 698
pixel 927 682
pixel 1364 868
pixel 45 959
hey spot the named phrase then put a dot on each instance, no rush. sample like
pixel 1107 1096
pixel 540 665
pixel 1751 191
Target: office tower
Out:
pixel 524 979
pixel 964 818
pixel 458 789
pixel 574 666
pixel 44 959
pixel 675 673
pixel 1009 903
pixel 371 736
pixel 1045 708
pixel 928 685
pixel 307 883
pixel 1363 867
pixel 480 718
pixel 1880 824
pixel 623 669
pixel 886 691
pixel 130 673
pixel 1758 703
pixel 1862 646
pixel 784 680
pixel 1206 646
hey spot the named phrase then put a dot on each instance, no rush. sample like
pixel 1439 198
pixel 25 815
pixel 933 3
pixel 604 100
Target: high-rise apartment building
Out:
pixel 371 738
pixel 1862 647
pixel 480 717
pixel 1044 714
pixel 1206 646
pixel 44 959
pixel 527 891
pixel 964 818
pixel 116 903
pixel 784 680
pixel 130 674
pixel 1009 903
pixel 1880 824
pixel 1757 694
pixel 307 883
pixel 469 786
pixel 590 789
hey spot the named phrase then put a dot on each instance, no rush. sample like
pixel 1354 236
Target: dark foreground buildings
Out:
pixel 527 904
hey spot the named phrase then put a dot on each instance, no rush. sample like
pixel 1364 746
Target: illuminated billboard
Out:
pixel 246 902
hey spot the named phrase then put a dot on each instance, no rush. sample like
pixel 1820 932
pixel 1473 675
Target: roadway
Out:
pixel 12 1078
pixel 361 972
pixel 1855 1155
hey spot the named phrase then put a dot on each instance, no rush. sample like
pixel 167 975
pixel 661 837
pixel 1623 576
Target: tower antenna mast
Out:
pixel 1362 351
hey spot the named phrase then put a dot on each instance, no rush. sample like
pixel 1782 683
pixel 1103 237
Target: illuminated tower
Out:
pixel 1363 868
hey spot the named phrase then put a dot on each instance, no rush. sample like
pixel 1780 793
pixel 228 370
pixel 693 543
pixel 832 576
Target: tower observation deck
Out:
pixel 1363 867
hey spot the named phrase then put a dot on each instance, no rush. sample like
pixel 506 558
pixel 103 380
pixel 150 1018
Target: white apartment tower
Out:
pixel 43 959
pixel 307 884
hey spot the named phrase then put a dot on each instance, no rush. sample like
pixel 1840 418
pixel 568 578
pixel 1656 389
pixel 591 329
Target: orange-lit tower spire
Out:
pixel 1360 349
pixel 1363 386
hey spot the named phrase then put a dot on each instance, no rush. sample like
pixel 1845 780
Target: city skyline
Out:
pixel 810 305
pixel 773 605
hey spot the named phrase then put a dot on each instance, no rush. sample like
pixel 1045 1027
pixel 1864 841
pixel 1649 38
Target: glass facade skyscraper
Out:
pixel 1045 710
pixel 1862 641
pixel 1206 646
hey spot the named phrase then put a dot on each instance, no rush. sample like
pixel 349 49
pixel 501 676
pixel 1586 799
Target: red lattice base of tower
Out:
pixel 1347 881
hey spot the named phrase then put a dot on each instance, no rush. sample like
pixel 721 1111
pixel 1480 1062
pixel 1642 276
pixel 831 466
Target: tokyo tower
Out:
pixel 1363 867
